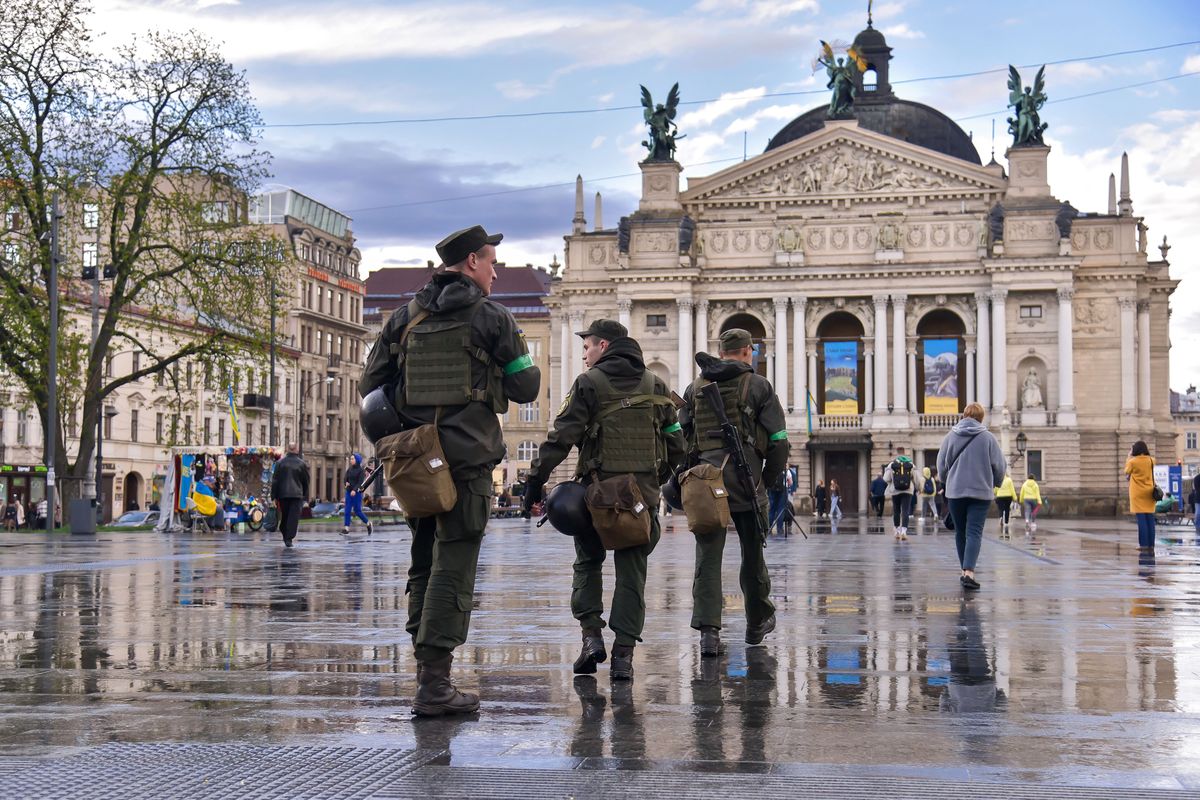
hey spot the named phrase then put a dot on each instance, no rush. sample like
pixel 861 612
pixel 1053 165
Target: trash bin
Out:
pixel 83 516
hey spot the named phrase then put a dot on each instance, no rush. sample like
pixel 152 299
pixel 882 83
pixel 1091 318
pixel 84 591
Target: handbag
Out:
pixel 1156 493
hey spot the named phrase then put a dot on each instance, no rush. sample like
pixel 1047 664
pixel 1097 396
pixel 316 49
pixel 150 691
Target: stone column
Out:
pixel 970 374
pixel 912 377
pixel 999 349
pixel 881 370
pixel 799 384
pixel 575 365
pixel 1066 358
pixel 684 304
pixel 701 327
pixel 869 366
pixel 781 351
pixel 899 387
pixel 1143 357
pixel 1128 363
pixel 624 310
pixel 812 381
pixel 983 350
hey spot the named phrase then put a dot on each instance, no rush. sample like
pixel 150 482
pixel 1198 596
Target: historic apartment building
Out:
pixel 520 289
pixel 1185 409
pixel 889 278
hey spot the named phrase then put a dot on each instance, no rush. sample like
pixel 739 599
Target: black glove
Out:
pixel 533 494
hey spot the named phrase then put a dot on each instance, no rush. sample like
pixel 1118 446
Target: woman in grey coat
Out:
pixel 972 464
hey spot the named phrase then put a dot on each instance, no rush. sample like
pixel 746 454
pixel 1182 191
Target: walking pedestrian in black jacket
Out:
pixel 289 487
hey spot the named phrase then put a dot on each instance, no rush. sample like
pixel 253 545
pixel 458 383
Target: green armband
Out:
pixel 778 436
pixel 518 364
pixel 673 428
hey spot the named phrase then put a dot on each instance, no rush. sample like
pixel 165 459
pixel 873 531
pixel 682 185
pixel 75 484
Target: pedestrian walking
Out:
pixel 973 465
pixel 878 491
pixel 289 487
pixel 820 499
pixel 620 416
pixel 777 500
pixel 10 514
pixel 20 512
pixel 752 406
pixel 354 500
pixel 835 497
pixel 1140 469
pixel 1005 495
pixel 928 492
pixel 442 397
pixel 1030 498
pixel 899 479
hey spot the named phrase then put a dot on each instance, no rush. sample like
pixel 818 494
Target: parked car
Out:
pixel 136 519
pixel 326 510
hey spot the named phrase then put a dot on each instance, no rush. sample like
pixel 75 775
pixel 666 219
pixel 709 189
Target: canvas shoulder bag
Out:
pixel 705 499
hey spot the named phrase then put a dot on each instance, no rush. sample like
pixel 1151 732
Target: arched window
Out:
pixel 941 385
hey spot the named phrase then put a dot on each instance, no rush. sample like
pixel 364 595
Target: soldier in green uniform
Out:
pixel 649 447
pixel 460 365
pixel 751 404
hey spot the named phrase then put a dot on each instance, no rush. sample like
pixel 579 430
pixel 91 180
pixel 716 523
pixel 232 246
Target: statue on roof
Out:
pixel 1027 127
pixel 663 130
pixel 842 72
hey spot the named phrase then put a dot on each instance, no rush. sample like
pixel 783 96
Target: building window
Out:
pixel 133 425
pixel 108 426
pixel 535 348
pixel 530 412
pixel 221 431
pixel 527 450
pixel 207 431
pixel 1034 459
pixel 1031 312
pixel 91 216
pixel 189 375
pixel 249 435
pixel 287 391
pixel 22 426
pixel 137 361
pixel 187 428
pixel 287 437
pixel 656 320
pixel 91 255
pixel 216 211
pixel 12 253
pixel 158 428
pixel 108 366
pixel 1191 440
pixel 262 434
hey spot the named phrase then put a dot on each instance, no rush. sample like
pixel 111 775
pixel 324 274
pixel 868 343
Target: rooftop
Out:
pixel 275 205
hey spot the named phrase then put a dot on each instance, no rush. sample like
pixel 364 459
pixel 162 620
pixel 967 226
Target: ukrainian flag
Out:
pixel 233 420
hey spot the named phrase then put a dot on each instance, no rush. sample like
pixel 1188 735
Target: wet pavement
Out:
pixel 235 667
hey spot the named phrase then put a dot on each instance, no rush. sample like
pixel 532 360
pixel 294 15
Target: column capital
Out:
pixel 899 297
pixel 781 304
pixel 684 303
pixel 624 304
pixel 799 301
pixel 1065 294
pixel 880 300
pixel 576 315
pixel 1143 306
pixel 868 352
pixel 1127 303
pixel 998 295
pixel 981 296
pixel 701 304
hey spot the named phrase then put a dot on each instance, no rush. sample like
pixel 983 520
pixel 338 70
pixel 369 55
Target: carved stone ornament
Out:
pixel 1079 240
pixel 789 239
pixel 1104 239
pixel 939 235
pixel 839 170
pixel 839 238
pixel 1093 315
pixel 741 241
pixel 963 234
pixel 816 240
pixel 763 241
pixel 720 242
pixel 597 254
pixel 889 236
pixel 862 237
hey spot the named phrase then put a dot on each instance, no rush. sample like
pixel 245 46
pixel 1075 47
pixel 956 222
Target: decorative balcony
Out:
pixel 838 422
pixel 941 422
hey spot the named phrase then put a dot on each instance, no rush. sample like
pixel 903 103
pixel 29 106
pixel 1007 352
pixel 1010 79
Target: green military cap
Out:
pixel 735 339
pixel 460 244
pixel 607 329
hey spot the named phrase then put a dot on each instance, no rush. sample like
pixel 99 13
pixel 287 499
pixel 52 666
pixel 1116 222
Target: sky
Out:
pixel 339 85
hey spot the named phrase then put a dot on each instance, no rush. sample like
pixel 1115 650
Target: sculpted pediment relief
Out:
pixel 838 168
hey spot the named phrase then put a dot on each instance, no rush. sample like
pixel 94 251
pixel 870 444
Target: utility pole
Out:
pixel 52 396
pixel 272 441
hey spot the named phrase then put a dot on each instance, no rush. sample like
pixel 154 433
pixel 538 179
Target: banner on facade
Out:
pixel 941 376
pixel 841 377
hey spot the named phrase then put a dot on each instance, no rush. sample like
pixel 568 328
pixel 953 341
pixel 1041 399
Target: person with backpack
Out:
pixel 878 490
pixel 899 479
pixel 620 416
pixel 928 491
pixel 752 406
pixel 446 364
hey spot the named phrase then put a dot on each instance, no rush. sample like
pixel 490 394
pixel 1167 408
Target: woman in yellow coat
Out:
pixel 1030 499
pixel 1140 469
pixel 1005 495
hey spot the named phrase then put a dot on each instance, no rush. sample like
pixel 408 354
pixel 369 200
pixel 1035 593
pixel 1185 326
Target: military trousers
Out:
pixel 707 597
pixel 627 615
pixel 441 574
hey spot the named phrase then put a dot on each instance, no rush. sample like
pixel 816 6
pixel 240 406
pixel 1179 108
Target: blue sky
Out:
pixel 320 62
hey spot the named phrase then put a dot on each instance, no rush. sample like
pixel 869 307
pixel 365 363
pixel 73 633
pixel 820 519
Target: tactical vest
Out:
pixel 706 429
pixel 439 362
pixel 624 435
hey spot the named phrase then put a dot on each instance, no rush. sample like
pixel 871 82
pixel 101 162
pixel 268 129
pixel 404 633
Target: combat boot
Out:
pixel 622 662
pixel 756 633
pixel 710 641
pixel 593 652
pixel 436 695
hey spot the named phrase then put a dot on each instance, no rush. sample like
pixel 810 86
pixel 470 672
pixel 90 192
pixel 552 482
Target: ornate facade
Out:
pixel 891 278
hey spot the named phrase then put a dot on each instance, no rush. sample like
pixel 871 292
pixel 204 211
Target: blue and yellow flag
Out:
pixel 233 420
pixel 808 404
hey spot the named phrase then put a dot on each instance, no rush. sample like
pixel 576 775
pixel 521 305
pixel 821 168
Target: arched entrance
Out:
pixel 133 491
pixel 758 332
pixel 840 371
pixel 940 353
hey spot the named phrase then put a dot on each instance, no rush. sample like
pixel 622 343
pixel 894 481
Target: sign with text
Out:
pixel 941 376
pixel 841 377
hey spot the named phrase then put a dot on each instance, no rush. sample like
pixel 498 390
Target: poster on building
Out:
pixel 941 376
pixel 841 377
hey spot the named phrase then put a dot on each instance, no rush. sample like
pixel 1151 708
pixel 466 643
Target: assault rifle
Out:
pixel 369 477
pixel 737 453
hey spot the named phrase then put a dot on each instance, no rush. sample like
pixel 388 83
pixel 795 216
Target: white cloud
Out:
pixel 519 90
pixel 727 103
pixel 598 141
pixel 902 31
pixel 268 94
pixel 606 98
pixel 749 124
pixel 1191 63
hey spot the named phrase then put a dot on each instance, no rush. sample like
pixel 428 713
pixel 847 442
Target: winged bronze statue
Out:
pixel 661 119
pixel 1026 127
pixel 842 73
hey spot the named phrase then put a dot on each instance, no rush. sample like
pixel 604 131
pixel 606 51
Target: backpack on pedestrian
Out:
pixel 902 475
pixel 928 487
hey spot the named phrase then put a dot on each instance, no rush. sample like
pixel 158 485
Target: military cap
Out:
pixel 607 329
pixel 735 339
pixel 460 244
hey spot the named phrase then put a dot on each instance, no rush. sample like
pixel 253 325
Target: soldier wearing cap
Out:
pixel 751 404
pixel 615 371
pixel 470 362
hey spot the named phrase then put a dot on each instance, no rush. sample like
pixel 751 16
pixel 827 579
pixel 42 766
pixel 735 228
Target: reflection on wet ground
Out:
pixel 1078 662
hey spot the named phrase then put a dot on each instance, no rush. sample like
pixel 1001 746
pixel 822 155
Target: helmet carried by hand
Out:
pixel 567 511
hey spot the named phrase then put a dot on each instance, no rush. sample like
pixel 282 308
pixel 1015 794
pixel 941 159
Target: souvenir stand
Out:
pixel 225 480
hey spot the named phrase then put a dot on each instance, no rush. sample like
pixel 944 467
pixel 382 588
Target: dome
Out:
pixel 906 120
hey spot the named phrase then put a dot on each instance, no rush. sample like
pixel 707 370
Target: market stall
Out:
pixel 219 487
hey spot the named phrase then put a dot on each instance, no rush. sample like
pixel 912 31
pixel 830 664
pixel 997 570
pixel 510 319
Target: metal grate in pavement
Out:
pixel 481 783
pixel 211 771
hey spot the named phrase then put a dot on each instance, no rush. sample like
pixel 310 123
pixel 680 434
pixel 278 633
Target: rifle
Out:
pixel 370 476
pixel 733 445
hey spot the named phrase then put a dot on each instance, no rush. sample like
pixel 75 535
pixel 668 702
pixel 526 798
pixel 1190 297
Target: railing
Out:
pixel 1051 419
pixel 335 360
pixel 939 421
pixel 839 421
pixel 333 402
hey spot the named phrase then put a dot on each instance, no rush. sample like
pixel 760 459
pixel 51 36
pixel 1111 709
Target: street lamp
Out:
pixel 109 413
pixel 304 393
pixel 1022 446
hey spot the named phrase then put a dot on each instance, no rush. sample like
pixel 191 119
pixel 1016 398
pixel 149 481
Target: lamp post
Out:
pixel 274 300
pixel 1022 446
pixel 109 413
pixel 304 390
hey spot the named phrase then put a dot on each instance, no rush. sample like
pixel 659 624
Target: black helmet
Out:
pixel 567 511
pixel 671 493
pixel 378 416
